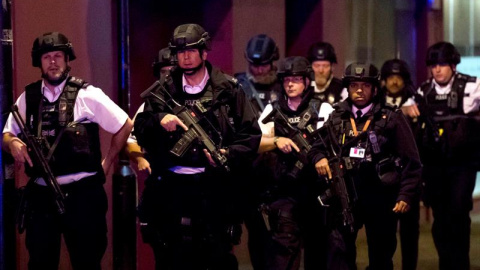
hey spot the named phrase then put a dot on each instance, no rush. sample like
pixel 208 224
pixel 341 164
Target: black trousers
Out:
pixel 315 233
pixel 190 216
pixel 374 211
pixel 449 191
pixel 279 248
pixel 83 225
pixel 409 227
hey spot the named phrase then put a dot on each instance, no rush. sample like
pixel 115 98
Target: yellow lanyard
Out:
pixel 354 126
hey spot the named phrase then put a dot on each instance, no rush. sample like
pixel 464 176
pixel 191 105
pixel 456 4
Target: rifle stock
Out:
pixel 39 161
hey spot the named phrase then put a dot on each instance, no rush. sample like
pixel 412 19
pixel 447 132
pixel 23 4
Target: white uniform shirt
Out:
pixel 132 138
pixel 471 97
pixel 91 104
pixel 268 128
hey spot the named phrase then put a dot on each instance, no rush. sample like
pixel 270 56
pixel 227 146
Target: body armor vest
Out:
pixel 72 147
pixel 344 130
pixel 208 116
pixel 451 103
pixel 332 94
pixel 448 137
pixel 260 97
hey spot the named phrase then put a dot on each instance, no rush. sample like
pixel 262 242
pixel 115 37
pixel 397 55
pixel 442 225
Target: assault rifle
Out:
pixel 338 166
pixel 195 130
pixel 40 163
pixel 301 139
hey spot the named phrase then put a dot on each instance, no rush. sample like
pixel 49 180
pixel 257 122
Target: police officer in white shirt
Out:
pixel 67 112
pixel 449 106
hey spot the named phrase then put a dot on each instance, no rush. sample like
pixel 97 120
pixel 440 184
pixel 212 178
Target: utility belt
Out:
pixel 187 230
pixel 233 232
pixel 186 207
pixel 26 194
pixel 388 169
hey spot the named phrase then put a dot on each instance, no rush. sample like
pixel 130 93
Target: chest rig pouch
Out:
pixel 449 136
pixel 377 161
pixel 299 127
pixel 388 167
pixel 74 146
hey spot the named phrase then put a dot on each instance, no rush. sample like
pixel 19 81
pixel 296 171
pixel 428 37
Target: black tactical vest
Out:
pixel 450 137
pixel 72 147
pixel 260 96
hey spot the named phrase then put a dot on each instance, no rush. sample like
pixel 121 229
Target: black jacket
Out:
pixel 227 110
pixel 394 138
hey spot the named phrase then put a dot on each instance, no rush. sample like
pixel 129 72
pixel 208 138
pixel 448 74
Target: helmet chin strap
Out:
pixel 60 79
pixel 190 71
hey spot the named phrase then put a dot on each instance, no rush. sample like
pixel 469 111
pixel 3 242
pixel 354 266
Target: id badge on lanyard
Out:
pixel 358 152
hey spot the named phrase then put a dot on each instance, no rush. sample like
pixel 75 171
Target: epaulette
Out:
pixel 77 82
pixel 466 78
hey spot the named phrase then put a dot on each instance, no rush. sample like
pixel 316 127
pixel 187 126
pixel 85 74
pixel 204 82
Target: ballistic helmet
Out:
pixel 442 53
pixel 261 50
pixel 361 72
pixel 322 51
pixel 49 42
pixel 395 67
pixel 189 36
pixel 164 58
pixel 294 66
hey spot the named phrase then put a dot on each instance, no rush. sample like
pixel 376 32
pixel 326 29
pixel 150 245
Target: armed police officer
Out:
pixel 449 107
pixel 373 153
pixel 162 66
pixel 397 88
pixel 278 212
pixel 397 85
pixel 327 87
pixel 262 87
pixel 66 113
pixel 195 129
pixel 260 81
